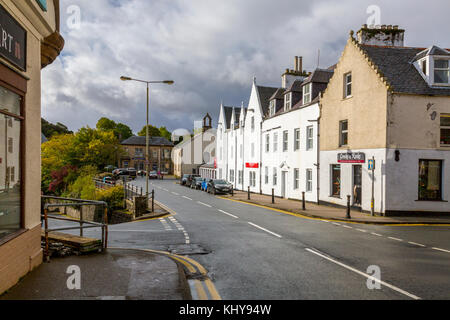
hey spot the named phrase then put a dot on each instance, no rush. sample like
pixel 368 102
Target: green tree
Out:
pixel 165 133
pixel 121 131
pixel 106 124
pixel 49 130
pixel 152 131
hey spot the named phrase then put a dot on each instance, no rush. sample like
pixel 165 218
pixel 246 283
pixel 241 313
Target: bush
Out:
pixel 114 197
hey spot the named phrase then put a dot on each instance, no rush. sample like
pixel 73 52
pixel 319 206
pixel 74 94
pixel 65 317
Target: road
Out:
pixel 255 253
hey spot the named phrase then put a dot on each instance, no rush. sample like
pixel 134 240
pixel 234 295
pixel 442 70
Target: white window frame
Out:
pixel 266 176
pixel 296 179
pixel 285 141
pixel 441 69
pixel 275 142
pixel 307 93
pixel 288 101
pixel 297 141
pixel 342 132
pixel 267 143
pixel 348 84
pixel 309 180
pixel 309 138
pixel 275 177
pixel 272 109
pixel 442 127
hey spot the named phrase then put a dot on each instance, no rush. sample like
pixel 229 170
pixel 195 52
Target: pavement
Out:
pixel 113 275
pixel 334 213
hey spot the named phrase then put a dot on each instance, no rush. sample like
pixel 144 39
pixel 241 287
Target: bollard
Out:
pixel 249 193
pixel 273 196
pixel 348 207
pixel 232 191
pixel 153 200
pixel 303 201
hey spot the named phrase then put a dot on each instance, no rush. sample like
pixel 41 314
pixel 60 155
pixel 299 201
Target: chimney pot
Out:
pixel 395 27
pixel 364 26
pixel 383 27
pixel 389 27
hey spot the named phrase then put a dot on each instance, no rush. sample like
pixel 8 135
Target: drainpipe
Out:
pixel 318 149
pixel 260 155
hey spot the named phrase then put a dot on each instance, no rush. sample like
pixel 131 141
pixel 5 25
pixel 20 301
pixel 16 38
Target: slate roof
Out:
pixel 320 76
pixel 228 115
pixel 264 95
pixel 279 94
pixel 396 64
pixel 141 141
pixel 296 86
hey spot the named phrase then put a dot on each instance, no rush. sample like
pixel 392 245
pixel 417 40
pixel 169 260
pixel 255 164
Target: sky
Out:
pixel 211 49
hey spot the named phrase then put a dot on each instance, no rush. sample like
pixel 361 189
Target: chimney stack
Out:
pixel 384 35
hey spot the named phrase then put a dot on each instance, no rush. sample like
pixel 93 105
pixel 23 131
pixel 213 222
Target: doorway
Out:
pixel 357 185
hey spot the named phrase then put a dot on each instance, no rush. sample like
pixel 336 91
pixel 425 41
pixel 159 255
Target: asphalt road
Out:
pixel 254 253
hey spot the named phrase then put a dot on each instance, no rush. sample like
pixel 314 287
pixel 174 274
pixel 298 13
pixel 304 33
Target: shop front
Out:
pixel 29 42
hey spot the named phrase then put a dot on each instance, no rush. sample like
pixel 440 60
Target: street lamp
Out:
pixel 168 82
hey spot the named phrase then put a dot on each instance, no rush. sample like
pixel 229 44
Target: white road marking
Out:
pixel 187 198
pixel 176 194
pixel 263 229
pixel 166 190
pixel 362 230
pixel 417 244
pixel 229 214
pixel 376 234
pixel 395 239
pixel 348 227
pixel 443 250
pixel 366 275
pixel 326 221
pixel 204 204
pixel 337 224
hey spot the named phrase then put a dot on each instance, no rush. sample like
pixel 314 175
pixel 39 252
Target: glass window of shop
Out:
pixel 430 180
pixel 336 180
pixel 10 178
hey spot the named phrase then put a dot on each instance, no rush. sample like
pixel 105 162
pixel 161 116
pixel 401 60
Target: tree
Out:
pixel 49 130
pixel 165 133
pixel 152 131
pixel 121 131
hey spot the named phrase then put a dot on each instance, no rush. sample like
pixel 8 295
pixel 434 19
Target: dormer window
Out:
pixel 441 71
pixel 272 108
pixel 307 94
pixel 424 67
pixel 287 101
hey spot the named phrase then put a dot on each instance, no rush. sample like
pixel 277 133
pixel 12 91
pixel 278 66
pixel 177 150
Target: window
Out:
pixel 309 138
pixel 252 179
pixel 297 139
pixel 424 66
pixel 167 154
pixel 285 141
pixel 309 179
pixel 139 152
pixel 10 169
pixel 253 150
pixel 336 180
pixel 232 175
pixel 266 175
pixel 343 135
pixel 240 176
pixel 272 108
pixel 253 123
pixel 267 143
pixel 348 85
pixel 441 71
pixel 241 151
pixel 445 130
pixel 287 101
pixel 275 176
pixel 430 180
pixel 275 142
pixel 296 179
pixel 307 94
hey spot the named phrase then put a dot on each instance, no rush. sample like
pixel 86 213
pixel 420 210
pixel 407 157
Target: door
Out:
pixel 283 184
pixel 357 185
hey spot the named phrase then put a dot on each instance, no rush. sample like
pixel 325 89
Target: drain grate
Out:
pixel 188 249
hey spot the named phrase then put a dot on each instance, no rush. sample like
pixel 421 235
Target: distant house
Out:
pixel 160 154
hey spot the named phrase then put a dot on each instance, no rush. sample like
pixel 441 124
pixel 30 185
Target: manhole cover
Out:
pixel 188 249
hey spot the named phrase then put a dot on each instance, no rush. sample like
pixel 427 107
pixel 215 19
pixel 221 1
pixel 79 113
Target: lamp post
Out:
pixel 168 82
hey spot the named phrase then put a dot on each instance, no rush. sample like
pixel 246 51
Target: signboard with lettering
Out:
pixel 352 157
pixel 13 40
pixel 252 165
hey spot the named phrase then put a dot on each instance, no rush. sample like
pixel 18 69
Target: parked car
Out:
pixel 184 179
pixel 197 183
pixel 123 172
pixel 191 178
pixel 109 180
pixel 205 184
pixel 219 186
pixel 153 175
pixel 110 168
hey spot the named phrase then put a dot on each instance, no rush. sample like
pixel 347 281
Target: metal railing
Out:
pixel 83 224
pixel 132 191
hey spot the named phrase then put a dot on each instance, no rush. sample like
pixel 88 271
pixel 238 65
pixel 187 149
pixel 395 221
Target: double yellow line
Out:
pixel 205 289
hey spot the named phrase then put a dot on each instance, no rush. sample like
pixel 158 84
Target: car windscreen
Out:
pixel 220 182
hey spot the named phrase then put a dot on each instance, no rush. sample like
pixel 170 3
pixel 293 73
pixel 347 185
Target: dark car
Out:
pixel 219 186
pixel 197 183
pixel 184 179
pixel 153 175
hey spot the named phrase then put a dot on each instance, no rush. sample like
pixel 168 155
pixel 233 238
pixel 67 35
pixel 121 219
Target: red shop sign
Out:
pixel 252 165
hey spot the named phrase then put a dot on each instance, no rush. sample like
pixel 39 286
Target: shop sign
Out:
pixel 252 165
pixel 358 157
pixel 12 40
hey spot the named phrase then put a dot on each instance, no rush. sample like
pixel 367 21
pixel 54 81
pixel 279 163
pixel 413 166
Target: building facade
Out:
pixel 30 42
pixel 160 154
pixel 388 103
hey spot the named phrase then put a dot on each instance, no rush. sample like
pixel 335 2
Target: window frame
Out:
pixel 285 141
pixel 332 195
pixel 441 180
pixel 444 127
pixel 342 132
pixel 288 101
pixel 272 108
pixel 296 179
pixel 275 142
pixel 309 180
pixel 297 139
pixel 309 138
pixel 307 90
pixel 275 177
pixel 441 69
pixel 267 143
pixel 348 84
pixel 6 77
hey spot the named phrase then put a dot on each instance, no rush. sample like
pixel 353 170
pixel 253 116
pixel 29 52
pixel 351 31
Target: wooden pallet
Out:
pixel 80 244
